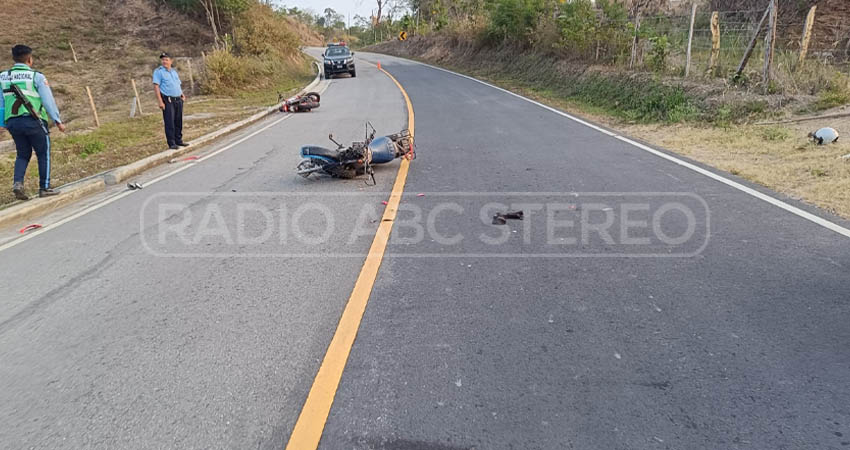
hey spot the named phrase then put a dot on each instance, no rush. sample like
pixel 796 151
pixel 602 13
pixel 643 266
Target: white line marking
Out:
pixel 117 197
pixel 747 190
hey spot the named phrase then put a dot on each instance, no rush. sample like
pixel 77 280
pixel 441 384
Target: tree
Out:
pixel 213 10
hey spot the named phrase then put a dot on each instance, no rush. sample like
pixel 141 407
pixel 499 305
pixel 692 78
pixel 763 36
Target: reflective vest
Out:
pixel 24 78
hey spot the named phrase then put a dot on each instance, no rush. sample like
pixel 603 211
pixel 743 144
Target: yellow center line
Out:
pixel 311 422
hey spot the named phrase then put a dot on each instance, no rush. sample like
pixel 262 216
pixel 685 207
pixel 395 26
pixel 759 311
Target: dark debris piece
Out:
pixel 502 218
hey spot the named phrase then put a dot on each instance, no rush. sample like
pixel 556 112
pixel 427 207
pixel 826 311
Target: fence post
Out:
pixel 690 40
pixel 807 33
pixel 191 76
pixel 715 43
pixel 633 60
pixel 769 43
pixel 93 109
pixel 73 52
pixel 138 100
pixel 752 46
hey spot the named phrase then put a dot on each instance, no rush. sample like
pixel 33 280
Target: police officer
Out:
pixel 169 94
pixel 30 134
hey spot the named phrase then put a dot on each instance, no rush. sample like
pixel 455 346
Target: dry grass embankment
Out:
pixel 119 40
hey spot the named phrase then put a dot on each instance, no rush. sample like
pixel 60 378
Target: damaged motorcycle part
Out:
pixel 502 218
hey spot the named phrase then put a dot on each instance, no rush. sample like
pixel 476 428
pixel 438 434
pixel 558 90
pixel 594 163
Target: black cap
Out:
pixel 20 50
pixel 164 55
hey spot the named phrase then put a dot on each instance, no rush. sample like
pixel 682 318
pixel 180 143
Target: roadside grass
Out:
pixel 119 142
pixel 720 134
pixel 779 157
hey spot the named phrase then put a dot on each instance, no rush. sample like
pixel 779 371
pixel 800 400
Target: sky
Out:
pixel 344 7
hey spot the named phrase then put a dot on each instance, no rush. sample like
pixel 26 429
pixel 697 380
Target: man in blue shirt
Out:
pixel 25 104
pixel 169 94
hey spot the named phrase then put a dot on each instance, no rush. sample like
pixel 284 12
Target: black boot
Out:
pixel 47 192
pixel 18 189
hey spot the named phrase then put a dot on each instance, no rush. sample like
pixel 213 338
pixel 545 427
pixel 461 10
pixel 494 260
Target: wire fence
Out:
pixel 732 36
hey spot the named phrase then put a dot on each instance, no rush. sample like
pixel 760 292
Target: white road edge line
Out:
pixel 747 190
pixel 117 197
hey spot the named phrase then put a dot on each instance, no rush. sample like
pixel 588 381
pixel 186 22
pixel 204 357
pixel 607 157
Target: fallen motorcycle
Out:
pixel 299 103
pixel 356 159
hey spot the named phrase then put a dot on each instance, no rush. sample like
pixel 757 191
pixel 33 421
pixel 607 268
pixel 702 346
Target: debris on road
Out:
pixel 188 158
pixel 502 218
pixel 34 226
pixel 134 186
pixel 824 135
pixel 420 195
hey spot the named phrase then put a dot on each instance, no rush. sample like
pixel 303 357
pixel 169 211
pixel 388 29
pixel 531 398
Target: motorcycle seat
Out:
pixel 314 150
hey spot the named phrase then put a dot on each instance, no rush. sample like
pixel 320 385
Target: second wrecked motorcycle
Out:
pixel 356 159
pixel 299 103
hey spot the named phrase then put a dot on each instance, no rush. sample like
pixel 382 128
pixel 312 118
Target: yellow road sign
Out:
pixel 402 36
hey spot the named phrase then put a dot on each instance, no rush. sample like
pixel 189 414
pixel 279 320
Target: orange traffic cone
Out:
pixel 379 65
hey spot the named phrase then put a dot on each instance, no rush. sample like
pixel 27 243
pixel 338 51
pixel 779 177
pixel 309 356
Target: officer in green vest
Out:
pixel 25 106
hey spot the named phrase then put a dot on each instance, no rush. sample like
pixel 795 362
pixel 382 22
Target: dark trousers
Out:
pixel 29 135
pixel 172 115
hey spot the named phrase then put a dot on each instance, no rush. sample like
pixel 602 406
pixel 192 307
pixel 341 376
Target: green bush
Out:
pixel 837 93
pixel 657 59
pixel 226 72
pixel 262 32
pixel 514 20
pixel 635 99
pixel 578 26
pixel 615 30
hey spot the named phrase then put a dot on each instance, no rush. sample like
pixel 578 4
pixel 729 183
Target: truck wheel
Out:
pixel 353 73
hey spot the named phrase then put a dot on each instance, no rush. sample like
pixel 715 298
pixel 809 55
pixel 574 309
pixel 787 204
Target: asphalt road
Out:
pixel 117 331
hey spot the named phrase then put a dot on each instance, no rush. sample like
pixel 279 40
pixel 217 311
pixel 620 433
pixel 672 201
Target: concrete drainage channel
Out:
pixel 81 188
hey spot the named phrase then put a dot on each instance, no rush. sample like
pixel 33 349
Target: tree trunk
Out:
pixel 208 9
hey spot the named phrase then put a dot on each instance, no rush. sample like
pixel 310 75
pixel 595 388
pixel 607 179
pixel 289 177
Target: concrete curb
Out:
pixel 73 191
pixel 78 189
